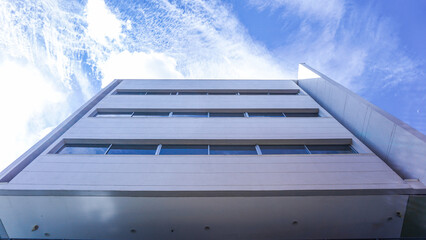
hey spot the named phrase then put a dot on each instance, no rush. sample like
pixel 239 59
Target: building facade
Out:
pixel 220 159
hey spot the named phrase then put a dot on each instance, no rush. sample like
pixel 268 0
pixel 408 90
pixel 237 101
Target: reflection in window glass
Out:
pixel 133 149
pixel 83 149
pixel 278 114
pixel 184 150
pixel 158 93
pixel 253 93
pixel 232 150
pixel 275 93
pixel 222 93
pixel 114 114
pixel 330 149
pixel 189 114
pixel 283 149
pixel 192 93
pixel 301 114
pixel 151 114
pixel 226 114
pixel 130 93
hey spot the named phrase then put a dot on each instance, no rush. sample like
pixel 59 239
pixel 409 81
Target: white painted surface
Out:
pixel 208 84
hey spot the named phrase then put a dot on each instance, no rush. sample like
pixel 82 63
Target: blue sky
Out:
pixel 55 55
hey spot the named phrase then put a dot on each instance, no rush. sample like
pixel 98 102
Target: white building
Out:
pixel 220 159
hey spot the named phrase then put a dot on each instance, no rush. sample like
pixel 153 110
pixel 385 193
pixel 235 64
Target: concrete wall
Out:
pixel 400 146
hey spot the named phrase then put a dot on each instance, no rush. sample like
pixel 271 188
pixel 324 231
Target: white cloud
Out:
pixel 138 65
pixel 343 42
pixel 27 97
pixel 102 23
pixel 319 9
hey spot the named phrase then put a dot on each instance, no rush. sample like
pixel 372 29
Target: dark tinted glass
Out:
pixel 330 149
pixel 265 114
pixel 133 149
pixel 114 114
pixel 226 114
pixel 130 93
pixel 232 150
pixel 219 93
pixel 151 114
pixel 253 93
pixel 158 93
pixel 189 114
pixel 83 149
pixel 301 114
pixel 192 93
pixel 283 149
pixel 184 150
pixel 283 93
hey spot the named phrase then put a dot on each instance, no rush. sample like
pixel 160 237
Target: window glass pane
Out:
pixel 266 114
pixel 192 93
pixel 253 93
pixel 219 93
pixel 301 114
pixel 283 149
pixel 232 150
pixel 129 93
pixel 189 114
pixel 151 114
pixel 283 93
pixel 226 114
pixel 158 93
pixel 133 149
pixel 114 114
pixel 83 149
pixel 330 149
pixel 184 150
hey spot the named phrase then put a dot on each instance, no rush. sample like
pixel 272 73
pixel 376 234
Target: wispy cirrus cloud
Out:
pixel 71 48
pixel 344 41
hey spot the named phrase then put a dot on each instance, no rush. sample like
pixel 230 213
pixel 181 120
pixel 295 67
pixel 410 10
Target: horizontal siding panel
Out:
pixel 205 179
pixel 219 159
pixel 208 102
pixel 207 84
pixel 207 167
pixel 207 128
pixel 141 189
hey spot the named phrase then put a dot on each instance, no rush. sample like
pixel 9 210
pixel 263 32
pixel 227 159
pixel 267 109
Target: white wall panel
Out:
pixel 208 128
pixel 208 102
pixel 208 84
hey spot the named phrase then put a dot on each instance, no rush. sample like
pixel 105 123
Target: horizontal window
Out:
pixel 130 93
pixel 226 114
pixel 301 114
pixel 184 150
pixel 160 93
pixel 120 92
pixel 84 149
pixel 330 149
pixel 189 114
pixel 114 114
pixel 204 114
pixel 192 93
pixel 232 150
pixel 278 114
pixel 133 149
pixel 222 93
pixel 283 149
pixel 151 114
pixel 189 149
